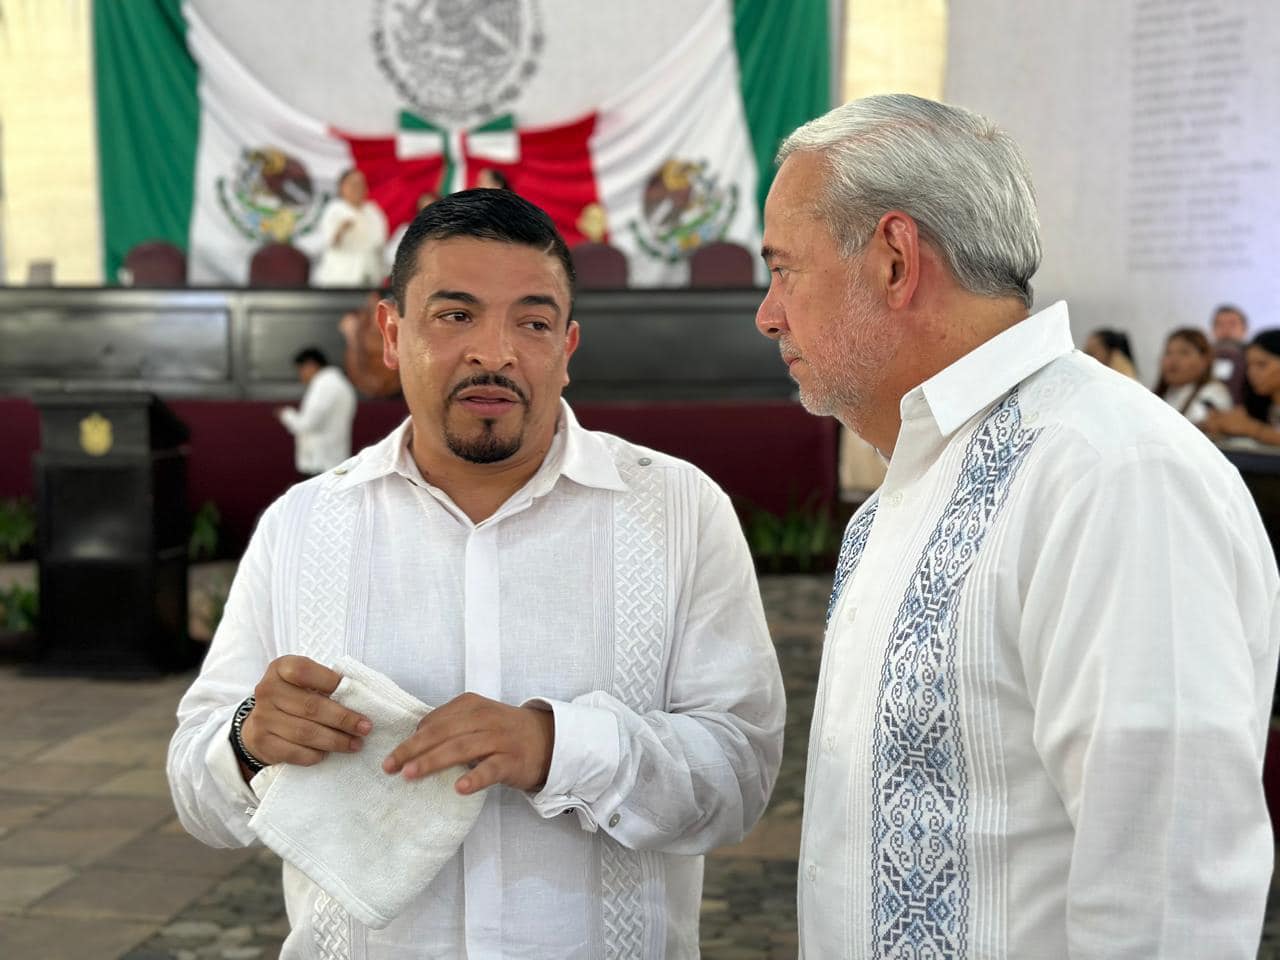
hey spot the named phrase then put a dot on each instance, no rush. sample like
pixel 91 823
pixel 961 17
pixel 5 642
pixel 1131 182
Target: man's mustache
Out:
pixel 489 380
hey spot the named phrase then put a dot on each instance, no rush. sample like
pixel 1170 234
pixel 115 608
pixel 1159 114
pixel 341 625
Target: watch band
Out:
pixel 237 738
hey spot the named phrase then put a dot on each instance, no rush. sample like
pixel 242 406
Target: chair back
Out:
pixel 599 266
pixel 156 263
pixel 279 265
pixel 722 265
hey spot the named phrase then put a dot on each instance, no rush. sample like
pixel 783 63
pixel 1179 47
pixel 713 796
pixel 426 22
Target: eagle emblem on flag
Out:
pixel 458 61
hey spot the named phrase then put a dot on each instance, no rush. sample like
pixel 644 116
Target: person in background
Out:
pixel 491 179
pixel 321 424
pixel 1186 376
pixel 1258 418
pixel 389 259
pixel 1230 326
pixel 354 230
pixel 362 358
pixel 1111 349
pixel 1230 331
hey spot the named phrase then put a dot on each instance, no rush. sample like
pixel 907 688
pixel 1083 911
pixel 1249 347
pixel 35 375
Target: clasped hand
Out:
pixel 295 721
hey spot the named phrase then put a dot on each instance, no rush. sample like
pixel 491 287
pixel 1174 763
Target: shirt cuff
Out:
pixel 584 760
pixel 224 768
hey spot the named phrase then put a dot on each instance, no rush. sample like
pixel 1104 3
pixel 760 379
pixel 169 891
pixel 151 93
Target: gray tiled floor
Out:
pixel 93 866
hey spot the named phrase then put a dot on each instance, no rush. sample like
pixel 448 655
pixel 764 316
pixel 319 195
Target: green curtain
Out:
pixel 785 61
pixel 148 119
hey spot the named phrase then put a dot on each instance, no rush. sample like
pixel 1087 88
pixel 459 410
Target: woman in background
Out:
pixel 1259 417
pixel 1186 376
pixel 1111 349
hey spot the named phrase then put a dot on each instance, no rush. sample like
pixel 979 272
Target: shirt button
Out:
pixel 615 819
pixel 894 499
pixel 1030 417
pixel 339 470
pixel 813 873
pixel 644 461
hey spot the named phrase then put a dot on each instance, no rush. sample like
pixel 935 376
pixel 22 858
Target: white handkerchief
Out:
pixel 371 840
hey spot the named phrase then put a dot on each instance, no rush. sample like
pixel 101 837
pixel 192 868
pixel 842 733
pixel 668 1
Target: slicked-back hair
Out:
pixel 956 174
pixel 485 215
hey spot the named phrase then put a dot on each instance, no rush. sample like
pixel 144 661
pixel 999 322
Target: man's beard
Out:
pixel 488 447
pixel 852 356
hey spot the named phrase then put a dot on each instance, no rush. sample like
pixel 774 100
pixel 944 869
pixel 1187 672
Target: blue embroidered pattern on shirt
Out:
pixel 855 538
pixel 919 796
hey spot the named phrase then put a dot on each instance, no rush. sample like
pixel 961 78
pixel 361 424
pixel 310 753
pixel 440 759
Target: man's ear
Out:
pixel 898 239
pixel 389 323
pixel 570 345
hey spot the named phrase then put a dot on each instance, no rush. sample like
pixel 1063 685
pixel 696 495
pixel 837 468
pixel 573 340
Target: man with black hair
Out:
pixel 582 613
pixel 321 424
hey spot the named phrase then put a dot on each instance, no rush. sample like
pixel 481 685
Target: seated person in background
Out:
pixel 389 257
pixel 1186 376
pixel 354 230
pixel 1111 349
pixel 321 425
pixel 490 179
pixel 362 359
pixel 1259 417
pixel 1230 327
pixel 1230 331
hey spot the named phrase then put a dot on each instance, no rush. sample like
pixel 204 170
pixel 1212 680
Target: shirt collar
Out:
pixel 575 453
pixel 986 373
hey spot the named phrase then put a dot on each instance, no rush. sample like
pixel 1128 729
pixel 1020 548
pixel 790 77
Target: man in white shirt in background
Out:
pixel 595 599
pixel 1053 635
pixel 321 423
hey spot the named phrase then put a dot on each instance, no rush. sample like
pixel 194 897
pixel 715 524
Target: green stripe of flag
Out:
pixel 148 122
pixel 785 65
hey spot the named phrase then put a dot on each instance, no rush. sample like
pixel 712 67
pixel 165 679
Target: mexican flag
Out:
pixel 225 124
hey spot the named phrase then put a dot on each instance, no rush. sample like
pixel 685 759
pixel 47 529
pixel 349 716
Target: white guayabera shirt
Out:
pixel 1048 671
pixel 616 586
pixel 321 425
pixel 356 259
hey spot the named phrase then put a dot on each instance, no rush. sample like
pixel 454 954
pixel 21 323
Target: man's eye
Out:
pixel 539 325
pixel 455 316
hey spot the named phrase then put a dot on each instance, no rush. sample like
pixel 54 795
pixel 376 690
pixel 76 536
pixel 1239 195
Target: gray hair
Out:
pixel 956 174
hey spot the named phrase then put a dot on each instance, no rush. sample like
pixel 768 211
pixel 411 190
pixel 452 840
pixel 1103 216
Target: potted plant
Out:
pixel 18 575
pixel 209 578
pixel 805 539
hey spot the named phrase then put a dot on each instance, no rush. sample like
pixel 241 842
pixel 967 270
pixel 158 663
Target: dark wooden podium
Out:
pixel 111 491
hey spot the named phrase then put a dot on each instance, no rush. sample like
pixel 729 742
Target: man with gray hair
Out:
pixel 1053 635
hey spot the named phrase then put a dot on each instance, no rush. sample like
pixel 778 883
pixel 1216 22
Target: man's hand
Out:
pixel 503 744
pixel 294 721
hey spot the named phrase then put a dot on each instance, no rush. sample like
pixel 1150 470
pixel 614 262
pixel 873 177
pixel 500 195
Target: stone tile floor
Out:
pixel 93 865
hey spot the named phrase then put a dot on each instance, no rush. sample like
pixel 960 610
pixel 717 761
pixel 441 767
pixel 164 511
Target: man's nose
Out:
pixel 770 318
pixel 491 348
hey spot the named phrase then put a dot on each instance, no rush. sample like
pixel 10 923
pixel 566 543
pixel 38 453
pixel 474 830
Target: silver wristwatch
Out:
pixel 237 739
